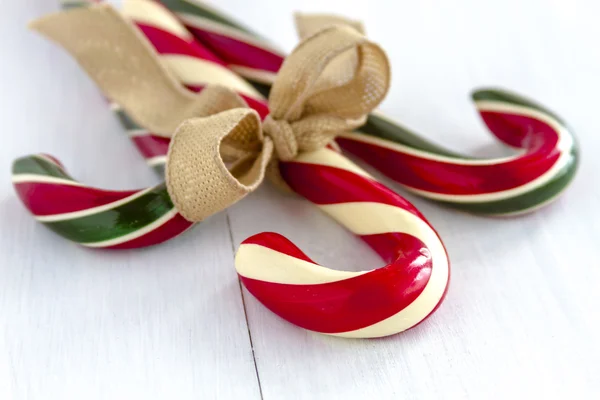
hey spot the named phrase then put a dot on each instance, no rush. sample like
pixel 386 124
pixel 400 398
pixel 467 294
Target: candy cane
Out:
pixel 542 170
pixel 94 217
pixel 502 186
pixel 351 304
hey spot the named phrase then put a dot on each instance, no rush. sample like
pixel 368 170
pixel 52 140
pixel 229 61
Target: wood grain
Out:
pixel 521 319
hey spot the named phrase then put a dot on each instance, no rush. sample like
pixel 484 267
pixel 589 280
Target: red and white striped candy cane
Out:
pixel 364 304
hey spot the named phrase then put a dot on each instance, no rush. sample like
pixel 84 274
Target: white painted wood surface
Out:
pixel 522 316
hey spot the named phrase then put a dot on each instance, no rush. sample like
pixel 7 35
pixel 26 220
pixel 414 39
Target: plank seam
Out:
pixel 245 310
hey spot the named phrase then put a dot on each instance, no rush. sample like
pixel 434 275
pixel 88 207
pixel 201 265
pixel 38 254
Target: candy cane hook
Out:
pixel 538 174
pixel 94 217
pixel 365 304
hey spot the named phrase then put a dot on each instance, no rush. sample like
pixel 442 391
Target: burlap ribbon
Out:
pixel 326 86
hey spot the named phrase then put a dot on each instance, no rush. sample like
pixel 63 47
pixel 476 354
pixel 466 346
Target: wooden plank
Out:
pixel 521 319
pixel 165 322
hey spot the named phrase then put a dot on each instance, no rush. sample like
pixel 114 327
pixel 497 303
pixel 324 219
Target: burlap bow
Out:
pixel 326 86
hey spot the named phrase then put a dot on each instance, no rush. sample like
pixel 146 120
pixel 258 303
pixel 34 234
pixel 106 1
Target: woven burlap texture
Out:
pixel 220 151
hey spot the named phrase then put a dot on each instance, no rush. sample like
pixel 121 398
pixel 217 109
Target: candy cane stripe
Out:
pixel 133 215
pixel 252 54
pixel 244 51
pixel 260 262
pixel 38 165
pixel 326 157
pixel 61 199
pixel 254 74
pixel 203 10
pixel 211 26
pixel 561 138
pixel 271 240
pixel 152 14
pixel 364 190
pixel 528 202
pixel 166 43
pixel 151 145
pixel 124 119
pixel 33 178
pixel 540 181
pixel 157 161
pixel 134 234
pixel 92 210
pixel 194 72
pixel 152 235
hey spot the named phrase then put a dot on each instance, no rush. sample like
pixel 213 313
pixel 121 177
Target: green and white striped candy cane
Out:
pixel 94 217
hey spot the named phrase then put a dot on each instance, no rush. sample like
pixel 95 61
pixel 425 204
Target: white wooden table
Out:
pixel 521 319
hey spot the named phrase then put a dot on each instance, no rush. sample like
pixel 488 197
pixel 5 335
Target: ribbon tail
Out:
pixel 127 69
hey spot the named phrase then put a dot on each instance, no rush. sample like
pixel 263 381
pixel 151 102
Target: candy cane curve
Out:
pixel 547 163
pixel 537 175
pixel 365 304
pixel 94 217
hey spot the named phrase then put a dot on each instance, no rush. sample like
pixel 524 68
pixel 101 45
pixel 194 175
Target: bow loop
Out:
pixel 326 86
pixel 336 71
pixel 198 180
